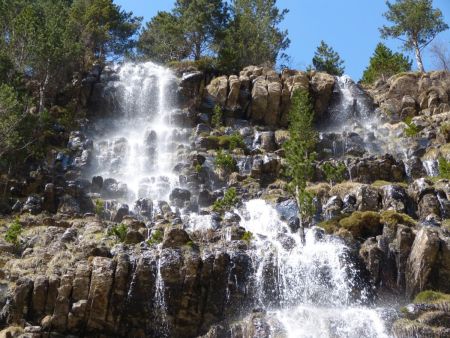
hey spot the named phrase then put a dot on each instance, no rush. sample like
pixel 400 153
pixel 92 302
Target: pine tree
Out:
pixel 384 63
pixel 416 23
pixel 299 150
pixel 327 60
pixel 253 36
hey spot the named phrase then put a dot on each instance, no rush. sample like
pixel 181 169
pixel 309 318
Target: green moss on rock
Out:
pixel 430 296
pixel 362 224
pixel 393 218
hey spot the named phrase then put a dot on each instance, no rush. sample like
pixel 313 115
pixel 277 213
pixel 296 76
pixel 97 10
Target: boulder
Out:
pixel 174 238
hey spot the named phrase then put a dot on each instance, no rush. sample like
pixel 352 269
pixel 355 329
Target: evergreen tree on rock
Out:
pixel 327 60
pixel 384 63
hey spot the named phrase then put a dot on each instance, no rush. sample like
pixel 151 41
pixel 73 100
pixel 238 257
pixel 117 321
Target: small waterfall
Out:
pixel 138 148
pixel 431 167
pixel 349 102
pixel 313 289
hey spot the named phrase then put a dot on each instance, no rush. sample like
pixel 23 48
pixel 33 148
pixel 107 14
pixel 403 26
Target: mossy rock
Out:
pixel 381 183
pixel 393 218
pixel 362 224
pixel 331 226
pixel 431 297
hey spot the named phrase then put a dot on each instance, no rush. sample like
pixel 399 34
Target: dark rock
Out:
pixel 33 205
pixel 174 238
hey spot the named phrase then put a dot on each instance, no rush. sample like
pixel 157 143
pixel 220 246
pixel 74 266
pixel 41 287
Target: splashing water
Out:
pixel 313 289
pixel 139 149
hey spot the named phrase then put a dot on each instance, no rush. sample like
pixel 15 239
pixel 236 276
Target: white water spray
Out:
pixel 310 289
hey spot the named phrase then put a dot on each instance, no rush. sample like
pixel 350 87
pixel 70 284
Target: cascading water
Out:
pixel 349 102
pixel 312 289
pixel 138 149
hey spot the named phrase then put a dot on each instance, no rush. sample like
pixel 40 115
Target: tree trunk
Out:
pixel 301 229
pixel 42 89
pixel 419 58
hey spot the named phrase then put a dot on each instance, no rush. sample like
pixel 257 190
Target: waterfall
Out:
pixel 348 102
pixel 312 289
pixel 138 148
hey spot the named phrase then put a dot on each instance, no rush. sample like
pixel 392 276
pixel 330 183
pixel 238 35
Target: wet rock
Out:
pixel 49 202
pixel 174 238
pixel 134 237
pixel 205 198
pixel 333 207
pixel 179 196
pixel 367 198
pixel 144 207
pixel 122 211
pixel 69 205
pixel 268 141
pixel 394 198
pixel 33 205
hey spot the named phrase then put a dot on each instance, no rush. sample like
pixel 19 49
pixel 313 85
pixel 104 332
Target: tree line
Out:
pixel 244 32
pixel 47 46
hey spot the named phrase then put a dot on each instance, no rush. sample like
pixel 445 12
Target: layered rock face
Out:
pixel 264 96
pixel 99 256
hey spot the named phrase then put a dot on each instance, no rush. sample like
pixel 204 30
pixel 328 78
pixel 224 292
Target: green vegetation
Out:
pixel 13 233
pixel 242 33
pixel 156 237
pixel 444 168
pixel 247 236
pixel 99 207
pixel 414 22
pixel 253 36
pixel 362 224
pixel 228 201
pixel 327 60
pixel 229 142
pixel 393 218
pixel 411 129
pixel 225 161
pixel 430 296
pixel 384 63
pixel 198 168
pixel 119 231
pixel 45 46
pixel 299 150
pixel 217 116
pixel 236 141
pixel 334 173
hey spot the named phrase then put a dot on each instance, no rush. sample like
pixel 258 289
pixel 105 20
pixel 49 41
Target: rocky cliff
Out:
pixel 87 263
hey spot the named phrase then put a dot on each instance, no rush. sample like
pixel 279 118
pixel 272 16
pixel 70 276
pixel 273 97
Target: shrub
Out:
pixel 198 168
pixel 236 141
pixel 228 201
pixel 225 161
pixel 13 233
pixel 99 207
pixel 334 173
pixel 411 129
pixel 217 116
pixel 444 167
pixel 119 231
pixel 247 236
pixel 156 237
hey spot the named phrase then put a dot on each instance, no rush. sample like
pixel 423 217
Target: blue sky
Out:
pixel 349 26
